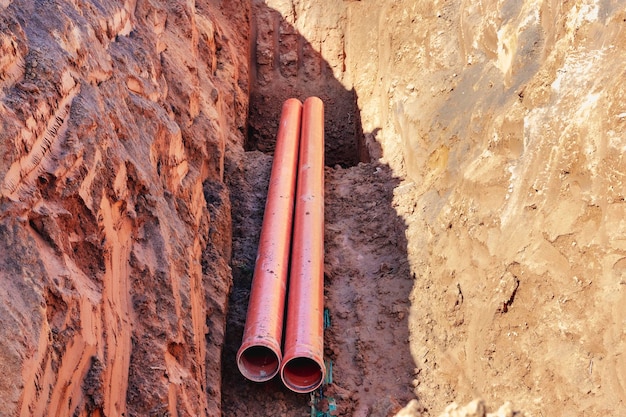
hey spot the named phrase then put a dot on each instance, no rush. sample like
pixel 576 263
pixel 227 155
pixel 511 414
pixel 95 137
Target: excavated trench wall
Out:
pixel 298 50
pixel 507 121
pixel 123 123
pixel 118 124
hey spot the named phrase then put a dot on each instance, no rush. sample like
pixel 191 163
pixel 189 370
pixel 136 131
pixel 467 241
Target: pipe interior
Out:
pixel 259 363
pixel 302 374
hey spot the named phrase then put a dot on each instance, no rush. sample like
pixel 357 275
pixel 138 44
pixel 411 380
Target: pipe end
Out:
pixel 292 102
pixel 313 100
pixel 258 363
pixel 302 374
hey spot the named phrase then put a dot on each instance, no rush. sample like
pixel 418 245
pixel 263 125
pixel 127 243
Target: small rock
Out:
pixel 475 408
pixel 412 409
pixel 506 410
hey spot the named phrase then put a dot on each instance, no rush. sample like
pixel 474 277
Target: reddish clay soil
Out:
pixel 475 203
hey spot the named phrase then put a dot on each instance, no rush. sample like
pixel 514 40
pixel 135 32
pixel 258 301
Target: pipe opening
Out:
pixel 302 374
pixel 258 363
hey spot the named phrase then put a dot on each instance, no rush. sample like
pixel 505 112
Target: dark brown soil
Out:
pixel 367 288
pixel 241 397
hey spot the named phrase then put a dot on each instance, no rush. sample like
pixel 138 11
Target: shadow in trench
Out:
pixel 367 277
pixel 286 65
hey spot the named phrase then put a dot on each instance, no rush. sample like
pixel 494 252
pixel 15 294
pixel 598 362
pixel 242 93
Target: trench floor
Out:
pixel 367 288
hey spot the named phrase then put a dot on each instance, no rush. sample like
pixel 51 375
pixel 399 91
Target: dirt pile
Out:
pixel 118 120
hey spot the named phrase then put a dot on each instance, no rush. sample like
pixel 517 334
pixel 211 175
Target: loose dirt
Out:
pixel 367 288
pixel 242 397
pixel 368 283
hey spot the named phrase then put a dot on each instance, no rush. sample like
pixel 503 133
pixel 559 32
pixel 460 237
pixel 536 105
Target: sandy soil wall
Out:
pixel 507 121
pixel 118 122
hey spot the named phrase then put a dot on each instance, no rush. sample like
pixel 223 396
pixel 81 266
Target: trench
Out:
pixel 366 271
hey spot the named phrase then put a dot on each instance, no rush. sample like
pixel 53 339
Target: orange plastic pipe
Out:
pixel 303 367
pixel 259 356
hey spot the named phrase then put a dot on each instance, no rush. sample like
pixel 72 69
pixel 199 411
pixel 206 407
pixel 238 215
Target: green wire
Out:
pixel 326 318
